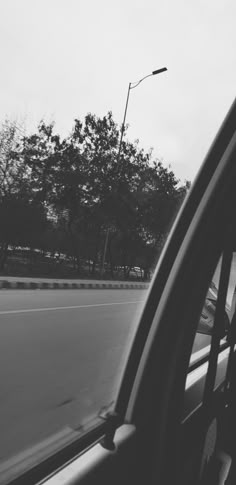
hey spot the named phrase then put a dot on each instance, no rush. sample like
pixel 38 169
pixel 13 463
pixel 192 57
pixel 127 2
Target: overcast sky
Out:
pixel 63 58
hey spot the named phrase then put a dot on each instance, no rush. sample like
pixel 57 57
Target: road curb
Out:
pixel 44 285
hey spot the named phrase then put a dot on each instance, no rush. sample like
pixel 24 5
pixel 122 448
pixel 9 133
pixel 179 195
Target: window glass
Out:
pixel 80 236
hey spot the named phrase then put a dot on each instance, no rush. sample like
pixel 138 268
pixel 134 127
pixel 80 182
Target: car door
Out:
pixel 151 435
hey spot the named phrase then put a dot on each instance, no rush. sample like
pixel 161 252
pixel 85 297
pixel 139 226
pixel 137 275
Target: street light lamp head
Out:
pixel 158 71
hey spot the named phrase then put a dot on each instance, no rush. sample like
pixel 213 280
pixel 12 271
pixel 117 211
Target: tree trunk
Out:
pixel 3 255
pixel 128 272
pixel 95 257
pixel 78 264
pixel 146 274
pixel 111 260
pixel 94 267
pixel 124 264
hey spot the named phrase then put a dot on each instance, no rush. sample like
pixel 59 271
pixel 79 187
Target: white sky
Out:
pixel 63 58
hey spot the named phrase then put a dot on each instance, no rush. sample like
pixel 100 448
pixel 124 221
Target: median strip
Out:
pixel 69 285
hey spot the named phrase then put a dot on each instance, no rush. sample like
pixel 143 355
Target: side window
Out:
pixel 198 364
pixel 202 341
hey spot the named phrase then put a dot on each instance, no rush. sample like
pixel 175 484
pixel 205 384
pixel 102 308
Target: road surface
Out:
pixel 62 353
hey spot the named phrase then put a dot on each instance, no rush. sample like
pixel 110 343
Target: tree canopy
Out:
pixel 70 196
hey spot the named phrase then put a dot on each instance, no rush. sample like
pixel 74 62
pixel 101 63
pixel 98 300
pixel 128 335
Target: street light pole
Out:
pixel 132 86
pixel 123 124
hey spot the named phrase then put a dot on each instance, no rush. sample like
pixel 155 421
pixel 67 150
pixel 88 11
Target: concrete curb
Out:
pixel 49 285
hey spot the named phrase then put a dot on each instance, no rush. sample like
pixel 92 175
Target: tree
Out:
pixel 78 199
pixel 13 184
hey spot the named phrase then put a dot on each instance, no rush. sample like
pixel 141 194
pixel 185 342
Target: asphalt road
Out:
pixel 61 357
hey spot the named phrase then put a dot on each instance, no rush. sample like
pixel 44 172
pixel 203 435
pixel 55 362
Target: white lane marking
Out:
pixel 51 309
